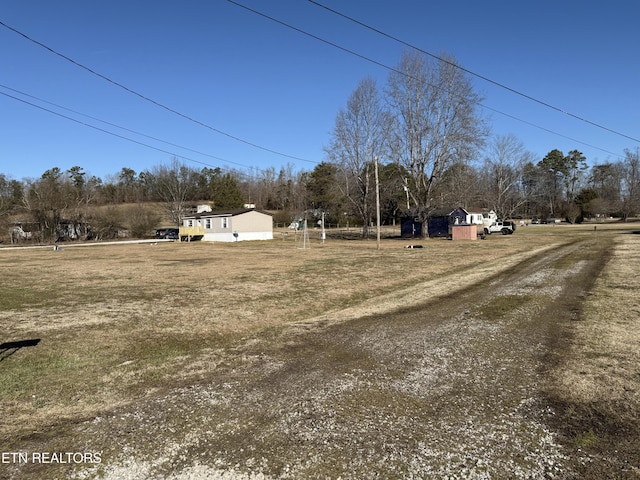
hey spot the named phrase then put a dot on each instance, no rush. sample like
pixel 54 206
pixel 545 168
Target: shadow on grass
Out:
pixel 9 348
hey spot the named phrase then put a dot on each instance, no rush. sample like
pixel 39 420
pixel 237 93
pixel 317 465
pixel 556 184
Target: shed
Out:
pixel 228 226
pixel 463 232
pixel 438 226
pixel 410 227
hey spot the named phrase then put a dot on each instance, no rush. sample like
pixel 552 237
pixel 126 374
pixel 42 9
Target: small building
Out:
pixel 463 231
pixel 228 226
pixel 438 226
pixel 410 227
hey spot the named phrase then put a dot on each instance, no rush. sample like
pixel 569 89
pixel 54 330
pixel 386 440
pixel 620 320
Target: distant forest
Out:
pixel 72 204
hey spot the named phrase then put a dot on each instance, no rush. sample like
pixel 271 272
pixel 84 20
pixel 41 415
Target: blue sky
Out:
pixel 268 85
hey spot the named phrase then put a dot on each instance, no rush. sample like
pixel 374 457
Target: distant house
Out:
pixel 473 216
pixel 228 226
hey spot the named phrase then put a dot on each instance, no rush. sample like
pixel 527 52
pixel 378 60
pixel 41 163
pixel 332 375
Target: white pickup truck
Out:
pixel 506 228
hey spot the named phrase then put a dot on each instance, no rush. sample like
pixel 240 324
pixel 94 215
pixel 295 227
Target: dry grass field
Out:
pixel 597 383
pixel 149 351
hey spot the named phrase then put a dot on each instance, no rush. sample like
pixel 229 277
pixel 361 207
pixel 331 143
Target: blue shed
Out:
pixel 439 226
pixel 410 227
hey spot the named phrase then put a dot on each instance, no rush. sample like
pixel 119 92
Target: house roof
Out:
pixel 479 210
pixel 227 213
pixel 471 210
pixel 459 210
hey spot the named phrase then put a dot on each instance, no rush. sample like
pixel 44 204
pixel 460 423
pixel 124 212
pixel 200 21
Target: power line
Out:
pixel 554 133
pixel 150 100
pixel 129 130
pixel 395 70
pixel 121 127
pixel 315 37
pixel 118 135
pixel 351 52
pixel 486 79
pixel 226 161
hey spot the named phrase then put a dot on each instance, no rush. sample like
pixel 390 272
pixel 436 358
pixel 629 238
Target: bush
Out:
pixel 107 223
pixel 141 221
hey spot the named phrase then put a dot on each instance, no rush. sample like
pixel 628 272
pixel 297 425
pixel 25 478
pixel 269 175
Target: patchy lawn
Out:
pixel 260 360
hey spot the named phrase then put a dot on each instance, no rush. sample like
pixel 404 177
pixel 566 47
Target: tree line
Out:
pixel 421 133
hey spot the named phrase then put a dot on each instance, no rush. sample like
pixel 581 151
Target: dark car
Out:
pixel 167 233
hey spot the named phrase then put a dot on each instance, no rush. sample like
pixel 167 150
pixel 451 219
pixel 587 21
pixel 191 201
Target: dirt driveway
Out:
pixel 457 386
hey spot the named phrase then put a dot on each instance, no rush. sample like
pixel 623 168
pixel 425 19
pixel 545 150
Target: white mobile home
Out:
pixel 228 226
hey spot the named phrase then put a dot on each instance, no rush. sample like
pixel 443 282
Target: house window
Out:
pixel 225 222
pixel 189 223
pixel 207 223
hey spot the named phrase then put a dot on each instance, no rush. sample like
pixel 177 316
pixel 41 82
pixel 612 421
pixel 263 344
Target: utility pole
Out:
pixel 377 204
pixel 405 186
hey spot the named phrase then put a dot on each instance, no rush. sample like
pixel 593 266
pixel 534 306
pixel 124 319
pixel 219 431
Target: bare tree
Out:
pixel 503 172
pixel 140 220
pixel 11 193
pixel 436 124
pixel 359 136
pixel 263 188
pixel 630 194
pixel 46 201
pixel 173 184
pixel 284 189
pixel 107 222
pixel 606 181
pixel 82 192
pixel 459 185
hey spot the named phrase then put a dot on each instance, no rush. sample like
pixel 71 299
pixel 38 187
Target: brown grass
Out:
pixel 125 322
pixel 597 385
pixel 125 317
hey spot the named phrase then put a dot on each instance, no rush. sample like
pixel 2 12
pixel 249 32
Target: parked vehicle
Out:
pixel 506 228
pixel 167 233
